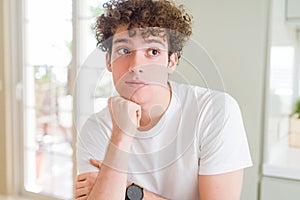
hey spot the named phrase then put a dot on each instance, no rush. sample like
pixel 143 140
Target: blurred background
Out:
pixel 52 78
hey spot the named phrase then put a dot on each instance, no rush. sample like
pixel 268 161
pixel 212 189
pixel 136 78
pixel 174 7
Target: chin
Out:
pixel 140 96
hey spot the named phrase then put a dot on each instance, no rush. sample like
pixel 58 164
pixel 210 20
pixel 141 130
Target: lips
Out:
pixel 135 83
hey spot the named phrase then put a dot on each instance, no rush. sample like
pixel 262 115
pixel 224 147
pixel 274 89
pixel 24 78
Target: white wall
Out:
pixel 234 32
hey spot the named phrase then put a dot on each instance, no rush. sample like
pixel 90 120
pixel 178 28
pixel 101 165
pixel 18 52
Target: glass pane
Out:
pixel 281 91
pixel 48 100
pixel 281 157
pixel 49 155
pixel 103 90
pixel 93 81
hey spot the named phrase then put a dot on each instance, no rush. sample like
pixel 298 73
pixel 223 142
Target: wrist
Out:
pixel 121 140
pixel 152 196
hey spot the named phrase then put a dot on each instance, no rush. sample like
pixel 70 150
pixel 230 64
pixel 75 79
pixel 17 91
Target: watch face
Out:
pixel 134 192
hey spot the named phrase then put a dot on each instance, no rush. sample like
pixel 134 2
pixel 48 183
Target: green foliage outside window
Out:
pixel 296 110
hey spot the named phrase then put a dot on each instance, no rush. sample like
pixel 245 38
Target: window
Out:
pixel 280 158
pixel 48 102
pixel 60 60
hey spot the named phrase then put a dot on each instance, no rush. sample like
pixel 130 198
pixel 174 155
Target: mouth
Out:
pixel 135 83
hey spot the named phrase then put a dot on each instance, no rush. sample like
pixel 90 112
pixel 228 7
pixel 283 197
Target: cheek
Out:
pixel 117 75
pixel 161 60
pixel 119 68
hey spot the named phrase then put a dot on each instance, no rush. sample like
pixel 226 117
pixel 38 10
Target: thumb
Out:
pixel 95 163
pixel 138 115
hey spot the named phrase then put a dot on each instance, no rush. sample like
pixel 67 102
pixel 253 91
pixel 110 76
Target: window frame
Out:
pixel 14 16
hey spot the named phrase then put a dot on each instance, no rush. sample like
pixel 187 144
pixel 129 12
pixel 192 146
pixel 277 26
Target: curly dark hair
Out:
pixel 161 14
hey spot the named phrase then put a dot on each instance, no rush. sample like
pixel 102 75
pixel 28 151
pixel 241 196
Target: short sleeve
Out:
pixel 92 142
pixel 223 143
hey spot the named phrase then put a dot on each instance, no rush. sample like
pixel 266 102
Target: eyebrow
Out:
pixel 155 41
pixel 124 40
pixel 121 40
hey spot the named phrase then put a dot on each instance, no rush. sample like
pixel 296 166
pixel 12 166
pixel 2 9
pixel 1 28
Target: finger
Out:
pixel 81 198
pixel 82 177
pixel 90 178
pixel 81 192
pixel 80 184
pixel 95 163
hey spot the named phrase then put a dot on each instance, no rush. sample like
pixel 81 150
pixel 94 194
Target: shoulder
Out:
pixel 95 122
pixel 186 91
pixel 183 88
pixel 92 140
pixel 204 97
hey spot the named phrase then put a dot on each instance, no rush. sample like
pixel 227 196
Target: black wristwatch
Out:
pixel 134 192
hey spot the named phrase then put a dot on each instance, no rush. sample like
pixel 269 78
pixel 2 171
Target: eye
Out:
pixel 153 52
pixel 123 51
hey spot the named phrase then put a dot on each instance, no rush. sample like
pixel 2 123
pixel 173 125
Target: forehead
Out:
pixel 143 35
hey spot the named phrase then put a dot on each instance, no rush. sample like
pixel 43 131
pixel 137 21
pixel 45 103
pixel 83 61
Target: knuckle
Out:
pixel 89 175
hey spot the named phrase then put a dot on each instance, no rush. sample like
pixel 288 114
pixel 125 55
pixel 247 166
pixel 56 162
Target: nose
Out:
pixel 137 69
pixel 136 62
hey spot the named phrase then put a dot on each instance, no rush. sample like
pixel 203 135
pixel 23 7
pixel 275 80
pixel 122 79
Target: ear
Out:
pixel 173 60
pixel 108 64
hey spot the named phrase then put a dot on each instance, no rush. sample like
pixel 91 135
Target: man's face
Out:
pixel 139 65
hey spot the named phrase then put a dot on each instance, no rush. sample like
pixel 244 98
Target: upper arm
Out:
pixel 225 186
pixel 92 142
pixel 223 145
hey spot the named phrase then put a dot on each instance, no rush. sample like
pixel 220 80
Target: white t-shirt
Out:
pixel 201 133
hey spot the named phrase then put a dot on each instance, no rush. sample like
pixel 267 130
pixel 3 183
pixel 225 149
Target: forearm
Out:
pixel 152 196
pixel 110 184
pixel 111 181
pixel 116 181
pixel 112 178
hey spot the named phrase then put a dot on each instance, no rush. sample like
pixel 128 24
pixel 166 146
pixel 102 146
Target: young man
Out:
pixel 157 139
